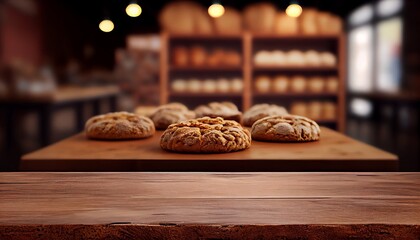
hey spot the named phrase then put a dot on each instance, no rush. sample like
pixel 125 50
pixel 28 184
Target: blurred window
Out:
pixel 388 54
pixel 362 15
pixel 360 59
pixel 375 43
pixel 386 8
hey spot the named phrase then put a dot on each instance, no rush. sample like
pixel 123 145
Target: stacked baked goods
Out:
pixel 295 58
pixel 221 85
pixel 119 126
pixel 258 18
pixel 259 111
pixel 198 56
pixel 206 135
pixel 319 110
pixel 296 84
pixel 225 110
pixel 168 114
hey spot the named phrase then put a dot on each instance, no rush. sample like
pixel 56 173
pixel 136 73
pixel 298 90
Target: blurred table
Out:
pixel 210 206
pixel 334 152
pixel 45 106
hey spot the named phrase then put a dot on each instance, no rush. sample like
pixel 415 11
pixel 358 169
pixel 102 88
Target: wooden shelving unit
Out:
pixel 247 71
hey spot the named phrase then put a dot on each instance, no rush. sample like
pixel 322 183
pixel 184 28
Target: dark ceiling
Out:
pixel 92 11
pixel 71 25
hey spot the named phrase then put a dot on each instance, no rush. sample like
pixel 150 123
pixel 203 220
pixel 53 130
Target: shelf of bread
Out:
pixel 296 85
pixel 273 57
pixel 205 57
pixel 295 59
pixel 204 69
pixel 216 87
pixel 320 111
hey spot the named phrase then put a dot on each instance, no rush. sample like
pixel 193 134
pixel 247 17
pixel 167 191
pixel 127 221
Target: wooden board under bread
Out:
pixel 334 152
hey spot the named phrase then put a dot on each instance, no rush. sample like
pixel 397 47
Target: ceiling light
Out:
pixel 216 10
pixel 106 25
pixel 294 10
pixel 133 10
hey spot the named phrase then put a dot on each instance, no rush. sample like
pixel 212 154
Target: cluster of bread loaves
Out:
pixel 212 128
pixel 295 58
pixel 198 56
pixel 186 17
pixel 319 110
pixel 221 85
pixel 296 84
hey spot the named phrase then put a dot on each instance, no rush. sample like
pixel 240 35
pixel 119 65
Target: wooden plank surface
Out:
pixel 384 205
pixel 65 94
pixel 334 152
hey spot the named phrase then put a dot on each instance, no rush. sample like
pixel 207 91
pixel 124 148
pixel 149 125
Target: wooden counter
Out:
pixel 334 152
pixel 210 206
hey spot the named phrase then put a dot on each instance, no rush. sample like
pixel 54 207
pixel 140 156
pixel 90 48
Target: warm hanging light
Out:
pixel 133 10
pixel 216 10
pixel 106 25
pixel 294 10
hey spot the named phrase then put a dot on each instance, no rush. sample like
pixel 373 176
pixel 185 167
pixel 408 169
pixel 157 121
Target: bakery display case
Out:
pixel 304 73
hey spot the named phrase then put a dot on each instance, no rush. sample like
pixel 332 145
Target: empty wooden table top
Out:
pixel 334 152
pixel 210 205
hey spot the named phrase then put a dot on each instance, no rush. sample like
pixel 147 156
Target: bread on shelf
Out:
pixel 280 84
pixel 285 25
pixel 298 84
pixel 194 86
pixel 299 108
pixel 237 85
pixel 295 58
pixel 329 111
pixel 314 110
pixel 179 85
pixel 263 84
pixel 262 58
pixel 209 86
pixel 180 56
pixel 223 85
pixel 198 56
pixel 312 58
pixel 259 17
pixel 229 23
pixel 316 84
pixel 328 59
pixel 331 84
pixel 308 21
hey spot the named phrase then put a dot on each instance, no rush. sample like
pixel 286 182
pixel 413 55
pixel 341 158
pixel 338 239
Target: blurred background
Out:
pixel 351 65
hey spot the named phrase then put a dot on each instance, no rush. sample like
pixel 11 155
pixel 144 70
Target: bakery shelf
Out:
pixel 297 36
pixel 292 94
pixel 221 95
pixel 205 36
pixel 205 69
pixel 249 43
pixel 295 68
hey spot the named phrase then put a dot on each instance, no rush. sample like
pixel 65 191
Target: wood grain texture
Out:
pixel 334 152
pixel 210 206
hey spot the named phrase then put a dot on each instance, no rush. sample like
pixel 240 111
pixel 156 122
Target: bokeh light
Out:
pixel 133 10
pixel 106 26
pixel 216 10
pixel 294 10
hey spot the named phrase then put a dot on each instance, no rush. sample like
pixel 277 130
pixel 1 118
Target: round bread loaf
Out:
pixel 260 17
pixel 229 23
pixel 171 113
pixel 119 126
pixel 287 128
pixel 259 111
pixel 205 135
pixel 225 110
